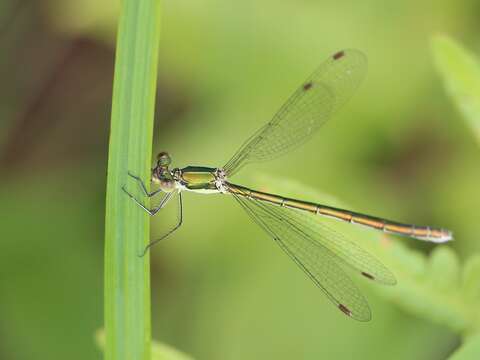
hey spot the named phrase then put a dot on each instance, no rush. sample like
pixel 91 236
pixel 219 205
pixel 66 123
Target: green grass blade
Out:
pixel 127 277
pixel 461 73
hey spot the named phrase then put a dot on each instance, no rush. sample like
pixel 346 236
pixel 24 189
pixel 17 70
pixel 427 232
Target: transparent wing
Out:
pixel 321 95
pixel 348 252
pixel 316 262
pixel 318 251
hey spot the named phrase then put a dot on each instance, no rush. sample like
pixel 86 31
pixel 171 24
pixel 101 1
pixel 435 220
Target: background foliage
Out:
pixel 402 148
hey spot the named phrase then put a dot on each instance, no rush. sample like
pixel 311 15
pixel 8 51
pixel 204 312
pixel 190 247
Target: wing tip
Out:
pixel 368 276
pixel 364 318
pixel 338 55
pixel 345 310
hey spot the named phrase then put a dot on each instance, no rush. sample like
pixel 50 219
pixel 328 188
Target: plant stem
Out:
pixel 127 276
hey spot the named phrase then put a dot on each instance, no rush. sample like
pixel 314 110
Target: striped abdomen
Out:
pixel 418 232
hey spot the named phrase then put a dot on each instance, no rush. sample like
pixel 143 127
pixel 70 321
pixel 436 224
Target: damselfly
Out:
pixel 295 224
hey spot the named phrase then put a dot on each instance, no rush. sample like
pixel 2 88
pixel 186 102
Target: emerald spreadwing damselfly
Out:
pixel 295 225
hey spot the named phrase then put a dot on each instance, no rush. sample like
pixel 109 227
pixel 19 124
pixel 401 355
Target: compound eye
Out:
pixel 164 159
pixel 167 185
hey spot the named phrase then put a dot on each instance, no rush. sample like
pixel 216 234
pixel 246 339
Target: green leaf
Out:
pixel 460 71
pixel 127 276
pixel 159 351
pixel 432 294
pixel 443 269
pixel 470 279
pixel 470 349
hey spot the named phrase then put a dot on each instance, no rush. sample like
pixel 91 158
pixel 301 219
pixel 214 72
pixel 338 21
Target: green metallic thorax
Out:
pixel 198 178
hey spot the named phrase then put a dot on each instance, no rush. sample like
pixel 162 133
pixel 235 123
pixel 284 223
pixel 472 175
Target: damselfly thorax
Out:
pixel 198 179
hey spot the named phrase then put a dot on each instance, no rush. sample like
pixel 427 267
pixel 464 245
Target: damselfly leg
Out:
pixel 171 231
pixel 142 185
pixel 154 210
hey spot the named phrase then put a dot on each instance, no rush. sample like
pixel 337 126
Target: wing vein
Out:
pixel 310 106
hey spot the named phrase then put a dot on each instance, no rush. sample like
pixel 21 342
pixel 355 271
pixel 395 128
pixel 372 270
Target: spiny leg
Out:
pixel 142 185
pixel 179 223
pixel 154 210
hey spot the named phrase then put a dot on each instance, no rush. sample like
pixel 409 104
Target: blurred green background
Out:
pixel 221 288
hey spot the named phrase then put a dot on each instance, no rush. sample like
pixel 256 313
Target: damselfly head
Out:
pixel 163 159
pixel 161 174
